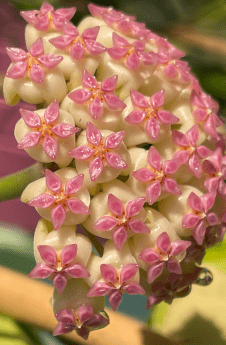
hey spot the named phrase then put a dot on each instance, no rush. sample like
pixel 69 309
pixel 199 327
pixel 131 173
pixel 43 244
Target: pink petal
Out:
pixel 96 10
pixel 59 282
pixel 85 312
pixel 115 298
pixel 181 156
pixel 194 202
pixel 179 139
pixel 88 80
pixel 193 135
pixel 82 152
pixel 212 219
pixel 113 102
pixel 150 256
pixel 167 117
pixel 68 254
pixel 70 30
pixel 48 254
pixel 50 60
pixel 133 288
pixel 199 115
pixel 117 53
pixel 93 134
pixel 138 226
pixel 66 13
pixel 61 42
pixel 42 201
pixel 29 16
pixel 134 206
pixel 115 161
pixel 154 271
pixel 77 51
pixel 114 140
pixel 150 58
pixel 37 48
pixel 171 166
pixel 153 300
pixel 17 71
pixel 152 128
pixel 157 100
pixel 52 112
pixel 216 158
pixel 99 289
pixel 65 316
pixel 170 71
pixel 105 223
pixel 77 271
pixel 173 266
pixel 154 159
pixel 41 23
pixel 115 205
pixel 139 45
pixel 128 272
pixel 58 215
pixel 194 166
pixel 16 54
pixel 133 62
pixel 138 99
pixel 210 127
pixel 136 117
pixel 171 186
pixel 190 220
pixel 199 231
pixel 109 84
pixel 95 48
pixel 63 328
pixel 73 185
pixel 77 206
pixel 96 108
pixel 203 151
pixel 178 247
pixel 209 168
pixel 96 168
pixel 119 237
pixel 31 119
pixel 208 200
pixel 91 33
pixel 41 271
pixel 50 146
pixel 143 174
pixel 53 182
pixel 64 130
pixel 163 242
pixel 80 96
pixel 119 41
pixel 97 320
pixel 37 74
pixel 153 191
pixel 46 7
pixel 30 140
pixel 109 273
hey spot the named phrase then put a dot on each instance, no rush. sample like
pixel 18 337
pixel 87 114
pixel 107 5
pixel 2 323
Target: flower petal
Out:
pixel 154 159
pixel 109 273
pixel 77 271
pixel 85 312
pixel 163 242
pixel 96 108
pixel 119 41
pixel 170 71
pixel 64 130
pixel 94 47
pixel 96 168
pixel 178 247
pixel 73 185
pixel 29 16
pixel 62 42
pixel 65 316
pixel 48 254
pixel 41 22
pixel 77 206
pixel 193 134
pixel 50 60
pixel 152 128
pixel 179 139
pixel 105 223
pixel 68 254
pixel 143 174
pixel 198 232
pixel 52 112
pixel 37 74
pixel 166 117
pixel 203 151
pixel 212 218
pixel 82 152
pixel 17 71
pixel 88 80
pixel 173 266
pixel 58 215
pixel 194 202
pixel 128 272
pixel 138 99
pixel 157 100
pixel 153 191
pixel 154 271
pixel 117 53
pixel 114 140
pixel 115 205
pixel 50 147
pixel 30 140
pixel 42 201
pixel 138 226
pixel 136 117
pixel 66 13
pixel 150 256
pixel 80 96
pixel 153 300
pixel 77 51
pixel 182 156
pixel 53 182
pixel 16 54
pixel 216 159
pixel 171 166
pixel 208 200
pixel 93 134
pixel 115 161
pixel 31 118
pixel 37 48
pixel 133 288
pixel 99 289
pixel 91 33
pixel 41 271
pixel 119 237
pixel 63 328
pixel 194 166
pixel 113 102
pixel 59 282
pixel 109 84
pixel 190 220
pixel 115 298
pixel 171 186
pixel 134 206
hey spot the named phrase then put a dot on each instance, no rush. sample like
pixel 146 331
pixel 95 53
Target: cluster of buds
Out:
pixel 140 152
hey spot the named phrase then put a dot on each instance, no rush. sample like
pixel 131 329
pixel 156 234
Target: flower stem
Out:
pixel 12 186
pixel 99 248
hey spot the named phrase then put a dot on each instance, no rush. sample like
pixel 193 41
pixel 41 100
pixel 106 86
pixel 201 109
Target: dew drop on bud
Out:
pixel 205 277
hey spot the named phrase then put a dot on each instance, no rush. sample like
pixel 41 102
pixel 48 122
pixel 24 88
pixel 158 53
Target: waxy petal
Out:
pixel 77 51
pixel 203 151
pixel 42 201
pixel 173 266
pixel 77 206
pixel 113 102
pixel 62 42
pixel 31 119
pixel 37 48
pixel 163 242
pixel 194 166
pixel 96 108
pixel 88 80
pixel 41 23
pixel 70 30
pixel 150 256
pixel 41 271
pixel 154 271
pixel 133 62
pixel 58 215
pixel 171 186
pixel 93 134
pixel 115 205
pixel 119 237
pixel 82 152
pixel 16 54
pixel 114 140
pixel 152 128
pixel 85 312
pixel 53 182
pixel 48 254
pixel 109 273
pixel 73 185
pixel 179 139
pixel 96 10
pixel 105 223
pixel 199 231
pixel 77 271
pixel 134 206
pixel 59 282
pixel 194 202
pixel 154 159
pixel 212 218
pixel 30 140
pixel 68 254
pixel 167 117
pixel 208 200
pixel 181 156
pixel 114 160
pixel 94 47
pixel 143 174
pixel 216 159
pixel 190 220
pixel 136 117
pixel 170 71
pixel 63 328
pixel 46 7
pixel 97 321
pixel 37 74
pixel 178 247
pixel 119 41
pixel 117 53
pixel 52 112
pixel 66 316
pixel 64 130
pixel 66 13
pixel 138 226
pixel 193 135
pixel 128 272
pixel 209 168
pixel 210 127
pixel 96 168
pixel 138 100
pixel 171 166
pixel 17 71
pixel 29 16
pixel 133 288
pixel 157 100
pixel 153 191
pixel 115 298
pixel 50 60
pixel 109 84
pixel 50 146
pixel 99 289
pixel 91 33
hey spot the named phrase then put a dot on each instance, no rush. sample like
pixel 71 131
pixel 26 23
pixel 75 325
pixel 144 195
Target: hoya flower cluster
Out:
pixel 141 161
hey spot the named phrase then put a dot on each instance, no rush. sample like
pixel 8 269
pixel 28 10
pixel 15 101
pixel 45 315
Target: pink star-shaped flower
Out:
pixel 156 176
pixel 115 283
pixel 60 198
pixel 45 131
pixel 188 151
pixel 204 111
pixel 119 21
pixel 122 218
pixel 95 94
pixel 83 320
pixel 59 267
pixel 132 54
pixel 47 18
pixel 100 152
pixel 215 168
pixel 199 216
pixel 149 113
pixel 163 255
pixel 33 64
pixel 78 46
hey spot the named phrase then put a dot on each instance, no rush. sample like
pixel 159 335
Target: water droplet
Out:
pixel 205 277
